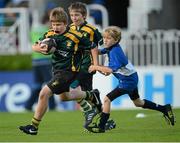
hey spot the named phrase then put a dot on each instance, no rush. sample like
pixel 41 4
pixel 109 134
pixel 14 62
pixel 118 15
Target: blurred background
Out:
pixel 150 38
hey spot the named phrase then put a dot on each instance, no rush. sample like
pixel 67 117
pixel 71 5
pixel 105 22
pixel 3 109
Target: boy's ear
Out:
pixel 116 41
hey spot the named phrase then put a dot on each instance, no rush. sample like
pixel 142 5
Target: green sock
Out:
pixel 84 105
pixel 88 95
pixel 35 122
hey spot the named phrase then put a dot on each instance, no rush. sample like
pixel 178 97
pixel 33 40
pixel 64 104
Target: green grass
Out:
pixel 67 127
pixel 15 62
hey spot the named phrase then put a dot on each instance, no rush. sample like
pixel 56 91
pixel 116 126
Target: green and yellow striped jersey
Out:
pixel 93 34
pixel 70 46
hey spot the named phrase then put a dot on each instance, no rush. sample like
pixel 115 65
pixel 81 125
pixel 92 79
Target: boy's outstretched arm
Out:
pixel 102 69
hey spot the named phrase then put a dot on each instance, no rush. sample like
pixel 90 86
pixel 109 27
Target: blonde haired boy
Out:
pixel 124 71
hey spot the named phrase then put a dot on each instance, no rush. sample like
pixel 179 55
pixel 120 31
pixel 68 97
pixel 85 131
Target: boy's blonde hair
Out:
pixel 79 7
pixel 114 32
pixel 58 15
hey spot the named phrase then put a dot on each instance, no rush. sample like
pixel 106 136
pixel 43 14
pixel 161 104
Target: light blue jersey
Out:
pixel 123 70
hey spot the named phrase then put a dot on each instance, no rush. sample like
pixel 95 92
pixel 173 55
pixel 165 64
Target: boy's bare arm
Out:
pixel 94 53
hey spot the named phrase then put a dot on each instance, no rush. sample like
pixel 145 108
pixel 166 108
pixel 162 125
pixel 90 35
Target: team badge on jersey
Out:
pixel 85 34
pixel 55 83
pixel 69 44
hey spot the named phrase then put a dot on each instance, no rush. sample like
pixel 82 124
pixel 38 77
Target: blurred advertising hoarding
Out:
pixel 15 90
pixel 158 84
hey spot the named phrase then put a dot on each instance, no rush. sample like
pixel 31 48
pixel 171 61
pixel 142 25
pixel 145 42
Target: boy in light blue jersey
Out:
pixel 124 71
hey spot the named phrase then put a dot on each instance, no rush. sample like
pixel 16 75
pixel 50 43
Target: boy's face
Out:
pixel 108 40
pixel 58 27
pixel 76 17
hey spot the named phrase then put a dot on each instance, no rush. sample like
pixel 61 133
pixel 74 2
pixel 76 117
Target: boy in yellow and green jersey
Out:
pixel 66 61
pixel 84 80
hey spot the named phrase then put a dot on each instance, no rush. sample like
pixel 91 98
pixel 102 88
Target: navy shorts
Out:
pixel 83 79
pixel 117 92
pixel 61 81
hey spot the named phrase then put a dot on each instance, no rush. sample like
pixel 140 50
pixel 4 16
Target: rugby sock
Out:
pixel 151 105
pixel 103 120
pixel 88 95
pixel 35 122
pixel 84 105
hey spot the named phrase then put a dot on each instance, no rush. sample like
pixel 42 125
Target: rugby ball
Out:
pixel 51 43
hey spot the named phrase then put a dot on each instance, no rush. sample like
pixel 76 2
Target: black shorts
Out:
pixel 61 81
pixel 85 80
pixel 117 92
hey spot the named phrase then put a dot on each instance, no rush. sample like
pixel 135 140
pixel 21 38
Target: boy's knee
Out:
pixel 138 104
pixel 63 97
pixel 73 93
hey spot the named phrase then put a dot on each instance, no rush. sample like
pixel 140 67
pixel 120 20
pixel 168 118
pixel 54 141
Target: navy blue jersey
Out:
pixel 122 68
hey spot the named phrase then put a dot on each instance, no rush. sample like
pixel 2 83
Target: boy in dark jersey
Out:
pixel 127 76
pixel 66 62
pixel 84 80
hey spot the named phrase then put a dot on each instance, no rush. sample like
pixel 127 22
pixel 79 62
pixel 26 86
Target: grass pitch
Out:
pixel 67 127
